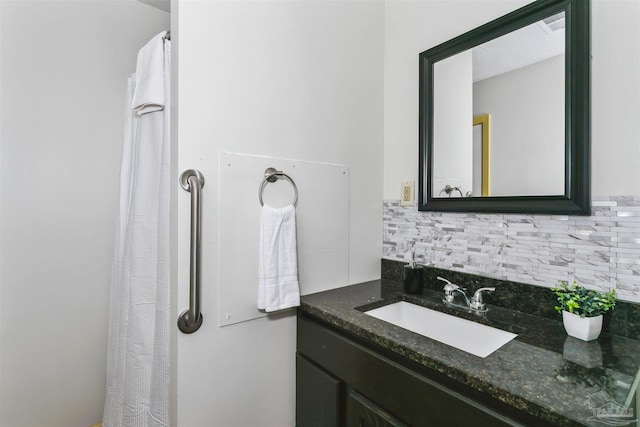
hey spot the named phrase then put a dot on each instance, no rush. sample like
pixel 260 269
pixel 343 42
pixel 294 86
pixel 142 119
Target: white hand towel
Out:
pixel 149 93
pixel 277 259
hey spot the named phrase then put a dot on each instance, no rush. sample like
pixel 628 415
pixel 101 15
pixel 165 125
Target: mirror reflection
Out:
pixel 484 143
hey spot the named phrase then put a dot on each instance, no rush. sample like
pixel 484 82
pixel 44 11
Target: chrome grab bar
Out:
pixel 190 320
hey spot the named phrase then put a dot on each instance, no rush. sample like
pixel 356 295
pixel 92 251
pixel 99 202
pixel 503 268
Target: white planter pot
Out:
pixel 583 328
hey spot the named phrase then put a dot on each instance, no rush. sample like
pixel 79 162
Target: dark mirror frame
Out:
pixel 577 197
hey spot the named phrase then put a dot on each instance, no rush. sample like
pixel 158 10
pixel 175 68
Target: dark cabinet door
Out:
pixel 318 396
pixel 361 412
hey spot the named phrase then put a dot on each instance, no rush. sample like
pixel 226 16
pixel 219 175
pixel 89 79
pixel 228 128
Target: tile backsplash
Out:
pixel 599 251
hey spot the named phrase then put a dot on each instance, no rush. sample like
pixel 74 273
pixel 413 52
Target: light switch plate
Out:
pixel 407 193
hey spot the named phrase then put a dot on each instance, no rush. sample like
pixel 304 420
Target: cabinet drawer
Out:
pixel 318 396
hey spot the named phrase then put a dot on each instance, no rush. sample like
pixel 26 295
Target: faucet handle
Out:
pixel 449 286
pixel 476 300
pixel 450 289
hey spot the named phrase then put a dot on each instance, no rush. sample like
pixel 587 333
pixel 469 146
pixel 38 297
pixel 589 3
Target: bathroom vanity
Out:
pixel 357 370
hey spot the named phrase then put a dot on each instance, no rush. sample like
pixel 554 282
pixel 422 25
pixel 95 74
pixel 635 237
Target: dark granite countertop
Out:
pixel 542 371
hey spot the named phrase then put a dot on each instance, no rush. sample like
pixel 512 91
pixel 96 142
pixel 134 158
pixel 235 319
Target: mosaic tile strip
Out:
pixel 600 251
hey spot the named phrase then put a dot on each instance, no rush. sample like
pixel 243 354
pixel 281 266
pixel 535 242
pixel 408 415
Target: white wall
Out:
pixel 300 80
pixel 63 77
pixel 1 168
pixel 615 91
pixel 527 142
pixel 414 26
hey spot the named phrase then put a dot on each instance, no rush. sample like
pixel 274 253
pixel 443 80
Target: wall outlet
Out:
pixel 407 193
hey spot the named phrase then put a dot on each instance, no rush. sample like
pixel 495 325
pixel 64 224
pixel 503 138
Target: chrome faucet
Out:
pixel 476 303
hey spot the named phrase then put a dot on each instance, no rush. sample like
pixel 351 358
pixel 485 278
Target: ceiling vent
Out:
pixel 553 23
pixel 158 4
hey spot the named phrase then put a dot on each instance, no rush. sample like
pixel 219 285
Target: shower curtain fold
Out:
pixel 138 371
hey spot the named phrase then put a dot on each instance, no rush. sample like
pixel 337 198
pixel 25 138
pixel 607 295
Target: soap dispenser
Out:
pixel 413 276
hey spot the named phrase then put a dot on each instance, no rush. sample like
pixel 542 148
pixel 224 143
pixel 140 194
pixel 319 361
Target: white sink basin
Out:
pixel 472 337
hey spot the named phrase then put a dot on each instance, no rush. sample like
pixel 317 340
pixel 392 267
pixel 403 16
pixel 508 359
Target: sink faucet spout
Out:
pixel 466 298
pixel 449 292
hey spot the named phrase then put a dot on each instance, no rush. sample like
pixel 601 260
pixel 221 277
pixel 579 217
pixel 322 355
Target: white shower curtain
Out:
pixel 138 368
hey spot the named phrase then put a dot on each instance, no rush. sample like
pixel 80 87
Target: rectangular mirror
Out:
pixel 504 115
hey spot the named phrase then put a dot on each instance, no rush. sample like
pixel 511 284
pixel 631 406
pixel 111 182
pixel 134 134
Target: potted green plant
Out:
pixel 582 309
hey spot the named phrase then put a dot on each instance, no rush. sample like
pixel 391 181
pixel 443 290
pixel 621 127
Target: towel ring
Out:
pixel 272 175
